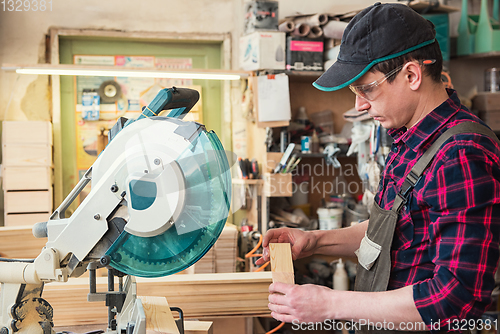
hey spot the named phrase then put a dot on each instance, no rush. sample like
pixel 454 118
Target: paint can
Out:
pixel 492 80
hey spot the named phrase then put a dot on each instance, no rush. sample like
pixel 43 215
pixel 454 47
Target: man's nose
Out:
pixel 362 104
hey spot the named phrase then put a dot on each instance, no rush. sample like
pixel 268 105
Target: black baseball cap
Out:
pixel 377 33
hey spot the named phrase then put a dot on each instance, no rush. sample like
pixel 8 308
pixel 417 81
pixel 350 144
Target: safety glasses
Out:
pixel 369 91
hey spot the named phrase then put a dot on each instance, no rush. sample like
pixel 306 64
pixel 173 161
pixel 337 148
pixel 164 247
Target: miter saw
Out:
pixel 159 200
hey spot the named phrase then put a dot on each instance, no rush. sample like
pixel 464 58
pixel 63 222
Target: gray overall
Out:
pixel 374 253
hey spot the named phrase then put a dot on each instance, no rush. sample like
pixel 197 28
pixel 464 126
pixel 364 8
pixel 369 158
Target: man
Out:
pixel 428 255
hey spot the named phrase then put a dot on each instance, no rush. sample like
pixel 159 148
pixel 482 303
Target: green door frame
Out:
pixel 55 33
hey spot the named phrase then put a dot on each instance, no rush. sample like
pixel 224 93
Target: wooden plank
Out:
pixel 200 296
pixel 27 155
pixel 28 201
pixel 27 132
pixel 281 262
pixel 19 243
pixel 198 327
pixel 25 219
pixel 159 318
pixel 26 178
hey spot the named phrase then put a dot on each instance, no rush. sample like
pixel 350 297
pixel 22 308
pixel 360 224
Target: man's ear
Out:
pixel 413 75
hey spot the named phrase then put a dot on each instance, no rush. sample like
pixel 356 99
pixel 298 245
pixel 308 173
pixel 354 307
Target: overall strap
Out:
pixel 418 169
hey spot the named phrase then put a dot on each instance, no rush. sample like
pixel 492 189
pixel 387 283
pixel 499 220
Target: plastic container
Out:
pixel 330 219
pixel 340 278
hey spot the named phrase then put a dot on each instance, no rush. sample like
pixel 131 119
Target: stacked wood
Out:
pixel 27 171
pixel 226 250
pixel 221 258
pixel 199 296
pixel 206 264
pixel 18 242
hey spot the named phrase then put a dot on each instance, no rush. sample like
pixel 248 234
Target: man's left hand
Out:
pixel 303 303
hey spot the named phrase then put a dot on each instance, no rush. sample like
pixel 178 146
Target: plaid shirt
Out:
pixel 446 242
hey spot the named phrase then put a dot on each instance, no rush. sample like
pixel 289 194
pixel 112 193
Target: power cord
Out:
pixel 252 254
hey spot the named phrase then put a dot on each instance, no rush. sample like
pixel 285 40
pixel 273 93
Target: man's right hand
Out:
pixel 303 243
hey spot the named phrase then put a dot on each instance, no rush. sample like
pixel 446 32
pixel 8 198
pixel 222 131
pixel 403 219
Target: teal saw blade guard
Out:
pixel 207 200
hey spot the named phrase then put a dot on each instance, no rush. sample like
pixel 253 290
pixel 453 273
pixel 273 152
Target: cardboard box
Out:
pixel 26 178
pixel 27 132
pixel 28 201
pixel 492 118
pixel 25 219
pixel 27 155
pixel 263 50
pixel 278 185
pixel 304 54
pixel 486 101
pixel 261 15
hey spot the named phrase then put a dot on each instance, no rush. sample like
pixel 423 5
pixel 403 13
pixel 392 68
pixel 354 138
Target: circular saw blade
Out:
pixel 208 192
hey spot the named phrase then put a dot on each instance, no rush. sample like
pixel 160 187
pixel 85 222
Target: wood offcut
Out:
pixel 281 262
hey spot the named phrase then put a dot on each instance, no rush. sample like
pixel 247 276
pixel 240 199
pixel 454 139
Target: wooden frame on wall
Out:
pixel 55 33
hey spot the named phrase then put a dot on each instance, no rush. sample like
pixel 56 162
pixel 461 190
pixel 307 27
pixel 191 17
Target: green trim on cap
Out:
pixel 373 63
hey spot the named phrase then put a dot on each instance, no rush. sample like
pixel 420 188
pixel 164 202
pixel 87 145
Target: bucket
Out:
pixel 330 219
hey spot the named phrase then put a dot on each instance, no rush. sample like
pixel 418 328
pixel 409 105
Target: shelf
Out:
pixel 491 54
pixel 316 74
pixel 248 181
pixel 309 155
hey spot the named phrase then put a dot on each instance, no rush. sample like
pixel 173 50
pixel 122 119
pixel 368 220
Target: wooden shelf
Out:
pixel 491 54
pixel 249 181
pixel 316 74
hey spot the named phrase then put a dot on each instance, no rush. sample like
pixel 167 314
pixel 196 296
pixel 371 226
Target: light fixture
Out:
pixel 109 71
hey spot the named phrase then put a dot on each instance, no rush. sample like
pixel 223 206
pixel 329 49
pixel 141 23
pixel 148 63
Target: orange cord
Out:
pixel 262 267
pixel 276 328
pixel 251 254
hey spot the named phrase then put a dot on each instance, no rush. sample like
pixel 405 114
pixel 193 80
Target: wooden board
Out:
pixel 19 243
pixel 159 318
pixel 25 219
pixel 26 178
pixel 27 155
pixel 200 296
pixel 27 132
pixel 28 201
pixel 198 327
pixel 281 263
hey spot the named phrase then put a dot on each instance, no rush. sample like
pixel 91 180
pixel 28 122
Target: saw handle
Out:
pixel 180 100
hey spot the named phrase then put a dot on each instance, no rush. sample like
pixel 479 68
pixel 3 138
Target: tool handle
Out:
pixel 180 100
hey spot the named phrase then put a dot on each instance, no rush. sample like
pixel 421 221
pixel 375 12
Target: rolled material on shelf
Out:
pixel 312 20
pixel 333 53
pixel 334 29
pixel 301 30
pixel 287 26
pixel 315 32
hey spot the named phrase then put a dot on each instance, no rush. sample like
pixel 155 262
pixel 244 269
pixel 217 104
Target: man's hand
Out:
pixel 303 303
pixel 303 243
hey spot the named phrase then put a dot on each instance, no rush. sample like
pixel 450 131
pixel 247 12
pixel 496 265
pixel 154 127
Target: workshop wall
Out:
pixel 22 35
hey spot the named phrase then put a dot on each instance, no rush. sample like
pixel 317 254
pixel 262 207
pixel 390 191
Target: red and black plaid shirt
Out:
pixel 446 242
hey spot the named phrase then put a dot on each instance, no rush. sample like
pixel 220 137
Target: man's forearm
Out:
pixel 395 308
pixel 340 242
